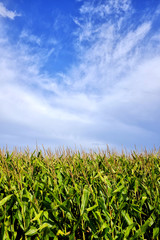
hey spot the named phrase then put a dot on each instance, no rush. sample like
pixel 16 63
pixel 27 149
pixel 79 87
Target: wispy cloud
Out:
pixel 120 65
pixel 107 49
pixel 131 40
pixel 26 102
pixel 25 36
pixel 4 12
pixel 106 8
pixel 111 94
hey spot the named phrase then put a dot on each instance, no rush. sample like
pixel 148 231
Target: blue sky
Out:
pixel 84 73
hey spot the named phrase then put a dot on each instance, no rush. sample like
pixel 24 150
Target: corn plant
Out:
pixel 77 195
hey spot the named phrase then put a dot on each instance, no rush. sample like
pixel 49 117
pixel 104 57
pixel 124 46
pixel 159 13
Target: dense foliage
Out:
pixel 78 195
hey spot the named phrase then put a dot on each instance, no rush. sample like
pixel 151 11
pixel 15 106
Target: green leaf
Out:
pixel 140 232
pixel 103 206
pixel 119 189
pixel 31 232
pixel 19 217
pixel 4 200
pixel 45 225
pixel 127 217
pixel 128 229
pixel 59 176
pixel 91 208
pixel 143 200
pixel 85 198
pixel 37 216
pixel 60 233
pixel 104 225
pixel 155 232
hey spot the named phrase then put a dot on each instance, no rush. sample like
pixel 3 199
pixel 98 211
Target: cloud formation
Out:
pixel 4 12
pixel 110 96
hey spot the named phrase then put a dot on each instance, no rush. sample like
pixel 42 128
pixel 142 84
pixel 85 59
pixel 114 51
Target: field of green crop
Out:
pixel 77 195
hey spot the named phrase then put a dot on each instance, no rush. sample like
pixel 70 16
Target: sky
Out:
pixel 80 73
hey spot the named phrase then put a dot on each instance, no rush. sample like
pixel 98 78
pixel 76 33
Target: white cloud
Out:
pixel 131 40
pixel 110 97
pixel 30 37
pixel 121 68
pixel 156 37
pixel 24 107
pixel 110 52
pixel 4 12
pixel 105 8
pixel 123 5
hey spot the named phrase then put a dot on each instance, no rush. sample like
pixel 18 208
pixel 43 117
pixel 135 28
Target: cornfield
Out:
pixel 78 195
